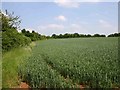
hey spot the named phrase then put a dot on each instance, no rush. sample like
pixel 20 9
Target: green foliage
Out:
pixel 98 35
pixel 34 36
pixel 114 35
pixel 70 62
pixel 75 35
pixel 10 62
pixel 11 38
pixel 38 74
pixel 9 21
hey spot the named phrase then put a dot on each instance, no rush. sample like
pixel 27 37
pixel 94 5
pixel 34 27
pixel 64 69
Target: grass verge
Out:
pixel 10 62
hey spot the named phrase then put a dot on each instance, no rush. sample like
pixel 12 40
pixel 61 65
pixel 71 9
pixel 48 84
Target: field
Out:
pixel 69 63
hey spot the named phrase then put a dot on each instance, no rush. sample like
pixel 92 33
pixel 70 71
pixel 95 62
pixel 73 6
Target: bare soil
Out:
pixel 24 85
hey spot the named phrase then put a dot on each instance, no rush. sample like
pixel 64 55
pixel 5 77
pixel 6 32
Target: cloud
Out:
pixel 51 26
pixel 51 0
pixel 77 28
pixel 106 26
pixel 91 0
pixel 104 23
pixel 73 3
pixel 50 29
pixel 61 18
pixel 67 3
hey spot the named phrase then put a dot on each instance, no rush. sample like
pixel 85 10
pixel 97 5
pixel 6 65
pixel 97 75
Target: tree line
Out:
pixel 114 35
pixel 11 38
pixel 76 35
pixel 34 36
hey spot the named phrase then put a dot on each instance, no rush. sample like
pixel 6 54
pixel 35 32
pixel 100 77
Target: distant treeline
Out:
pixel 34 36
pixel 114 35
pixel 77 35
pixel 11 38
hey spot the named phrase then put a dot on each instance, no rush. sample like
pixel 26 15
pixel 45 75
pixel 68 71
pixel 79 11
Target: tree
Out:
pixel 10 21
pixel 96 35
pixel 102 35
pixel 11 38
pixel 23 31
pixel 54 36
pixel 114 35
pixel 66 35
pixel 34 36
pixel 88 35
pixel 76 35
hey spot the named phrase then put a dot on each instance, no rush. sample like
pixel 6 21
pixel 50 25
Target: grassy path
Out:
pixel 10 62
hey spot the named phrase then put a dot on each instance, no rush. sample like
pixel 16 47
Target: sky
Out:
pixel 63 16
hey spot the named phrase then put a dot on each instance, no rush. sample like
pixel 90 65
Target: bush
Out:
pixel 11 38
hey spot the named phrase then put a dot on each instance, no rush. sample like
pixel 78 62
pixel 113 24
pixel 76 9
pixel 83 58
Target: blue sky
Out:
pixel 66 17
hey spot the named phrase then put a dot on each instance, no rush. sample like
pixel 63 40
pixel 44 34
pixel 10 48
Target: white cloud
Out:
pixel 92 0
pixel 52 0
pixel 50 29
pixel 51 26
pixel 104 23
pixel 61 18
pixel 67 3
pixel 106 26
pixel 75 28
pixel 102 27
pixel 73 3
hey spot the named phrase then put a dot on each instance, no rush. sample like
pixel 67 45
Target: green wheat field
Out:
pixel 69 63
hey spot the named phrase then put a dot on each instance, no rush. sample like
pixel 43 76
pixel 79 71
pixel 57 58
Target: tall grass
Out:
pixel 10 62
